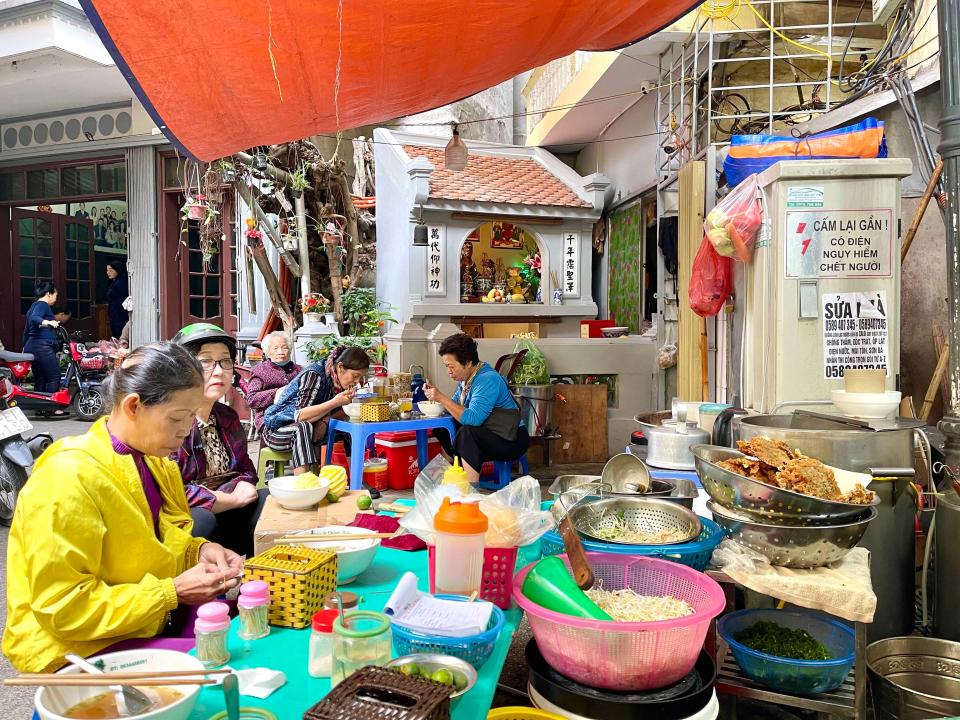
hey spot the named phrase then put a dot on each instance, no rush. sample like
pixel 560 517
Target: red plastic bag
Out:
pixel 710 282
pixel 733 224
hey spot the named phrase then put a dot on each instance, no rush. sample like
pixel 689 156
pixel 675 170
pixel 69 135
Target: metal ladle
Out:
pixel 628 472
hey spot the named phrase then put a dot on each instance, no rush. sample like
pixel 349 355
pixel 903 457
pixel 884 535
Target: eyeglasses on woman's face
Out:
pixel 208 364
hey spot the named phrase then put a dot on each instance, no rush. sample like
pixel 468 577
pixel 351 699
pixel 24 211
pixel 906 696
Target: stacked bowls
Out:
pixel 789 528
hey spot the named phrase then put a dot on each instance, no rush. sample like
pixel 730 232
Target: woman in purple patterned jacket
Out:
pixel 271 376
pixel 220 478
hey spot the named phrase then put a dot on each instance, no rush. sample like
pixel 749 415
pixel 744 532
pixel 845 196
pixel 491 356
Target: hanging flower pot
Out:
pixel 196 208
pixel 260 160
pixel 297 194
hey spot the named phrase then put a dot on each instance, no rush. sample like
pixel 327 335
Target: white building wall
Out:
pixel 631 164
pixel 397 259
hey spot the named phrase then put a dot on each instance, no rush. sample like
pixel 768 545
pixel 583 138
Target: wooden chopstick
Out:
pixel 102 681
pixel 288 539
pixel 135 675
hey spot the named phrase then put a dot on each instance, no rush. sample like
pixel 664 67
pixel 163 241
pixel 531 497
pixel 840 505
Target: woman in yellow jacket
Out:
pixel 100 549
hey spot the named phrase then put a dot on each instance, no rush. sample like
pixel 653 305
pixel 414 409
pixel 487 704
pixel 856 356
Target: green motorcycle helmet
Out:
pixel 196 335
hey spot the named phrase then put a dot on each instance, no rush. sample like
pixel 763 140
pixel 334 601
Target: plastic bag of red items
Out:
pixel 733 224
pixel 95 362
pixel 710 282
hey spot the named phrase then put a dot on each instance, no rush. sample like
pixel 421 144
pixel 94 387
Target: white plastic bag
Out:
pixel 514 512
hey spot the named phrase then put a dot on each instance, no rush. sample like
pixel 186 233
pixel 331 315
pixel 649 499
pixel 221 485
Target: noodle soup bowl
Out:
pixel 53 703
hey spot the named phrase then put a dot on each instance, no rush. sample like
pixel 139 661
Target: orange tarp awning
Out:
pixel 205 73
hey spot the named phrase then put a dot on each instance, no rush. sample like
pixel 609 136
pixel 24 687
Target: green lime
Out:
pixel 459 681
pixel 443 676
pixel 410 669
pixel 364 502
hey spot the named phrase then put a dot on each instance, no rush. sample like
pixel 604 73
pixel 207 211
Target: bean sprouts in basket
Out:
pixel 620 530
pixel 628 606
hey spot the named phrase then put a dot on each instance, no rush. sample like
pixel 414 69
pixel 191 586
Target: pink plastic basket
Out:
pixel 498 567
pixel 627 656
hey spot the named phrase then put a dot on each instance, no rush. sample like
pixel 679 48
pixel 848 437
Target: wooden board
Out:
pixel 692 188
pixel 582 421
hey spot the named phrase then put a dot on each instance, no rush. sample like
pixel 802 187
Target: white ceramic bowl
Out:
pixel 353 556
pixel 352 410
pixel 866 405
pixel 53 702
pixel 293 498
pixel 431 409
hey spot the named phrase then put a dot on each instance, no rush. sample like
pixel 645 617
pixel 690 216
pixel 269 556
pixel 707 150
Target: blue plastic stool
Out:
pixel 503 474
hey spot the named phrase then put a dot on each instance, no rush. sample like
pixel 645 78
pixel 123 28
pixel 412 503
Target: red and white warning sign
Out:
pixel 839 243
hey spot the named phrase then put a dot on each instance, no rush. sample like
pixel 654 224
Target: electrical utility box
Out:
pixel 822 292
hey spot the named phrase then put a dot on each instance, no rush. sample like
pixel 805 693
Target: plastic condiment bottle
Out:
pixel 322 640
pixel 456 475
pixel 210 631
pixel 254 605
pixel 460 529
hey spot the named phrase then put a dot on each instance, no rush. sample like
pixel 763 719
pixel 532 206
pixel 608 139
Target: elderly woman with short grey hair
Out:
pixel 271 376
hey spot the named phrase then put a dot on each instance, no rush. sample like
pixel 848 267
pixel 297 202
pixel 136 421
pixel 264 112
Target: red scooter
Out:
pixel 78 390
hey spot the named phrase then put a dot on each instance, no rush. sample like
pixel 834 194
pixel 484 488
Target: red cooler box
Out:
pixel 400 450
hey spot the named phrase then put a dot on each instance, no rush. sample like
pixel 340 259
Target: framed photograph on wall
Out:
pixel 506 236
pixel 109 218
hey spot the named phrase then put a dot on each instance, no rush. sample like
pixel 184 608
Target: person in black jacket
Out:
pixel 40 339
pixel 116 294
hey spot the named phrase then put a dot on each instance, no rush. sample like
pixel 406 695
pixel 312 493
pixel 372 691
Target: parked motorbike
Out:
pixel 16 452
pixel 79 389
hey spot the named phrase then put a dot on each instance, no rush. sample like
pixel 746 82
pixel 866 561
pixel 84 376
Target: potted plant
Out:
pixel 300 182
pixel 228 172
pixel 314 306
pixel 196 208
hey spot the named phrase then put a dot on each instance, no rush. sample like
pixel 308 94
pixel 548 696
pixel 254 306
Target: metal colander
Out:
pixel 595 518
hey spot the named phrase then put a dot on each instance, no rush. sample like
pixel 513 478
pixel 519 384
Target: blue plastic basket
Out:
pixel 695 554
pixel 475 649
pixel 798 677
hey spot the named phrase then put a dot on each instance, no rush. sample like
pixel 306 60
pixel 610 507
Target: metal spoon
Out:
pixel 130 700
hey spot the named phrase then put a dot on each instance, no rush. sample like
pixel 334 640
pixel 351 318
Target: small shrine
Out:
pixel 508 239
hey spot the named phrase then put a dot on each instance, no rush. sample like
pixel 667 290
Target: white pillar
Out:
pixel 143 245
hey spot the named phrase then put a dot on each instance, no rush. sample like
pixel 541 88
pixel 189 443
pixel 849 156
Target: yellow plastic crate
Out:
pixel 299 579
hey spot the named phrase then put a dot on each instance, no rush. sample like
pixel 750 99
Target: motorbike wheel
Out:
pixel 88 408
pixel 12 479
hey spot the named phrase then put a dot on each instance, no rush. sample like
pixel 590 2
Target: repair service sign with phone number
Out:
pixel 855 332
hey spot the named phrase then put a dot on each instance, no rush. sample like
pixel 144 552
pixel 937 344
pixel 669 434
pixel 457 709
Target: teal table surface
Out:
pixel 286 650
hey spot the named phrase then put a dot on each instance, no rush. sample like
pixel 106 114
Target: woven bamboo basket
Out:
pixel 299 579
pixel 375 412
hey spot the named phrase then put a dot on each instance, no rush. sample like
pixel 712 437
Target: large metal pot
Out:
pixel 668 445
pixel 914 678
pixel 857 446
pixel 536 407
pixel 946 617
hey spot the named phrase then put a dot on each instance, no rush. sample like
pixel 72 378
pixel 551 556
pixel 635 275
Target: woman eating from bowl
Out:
pixel 220 478
pixel 100 549
pixel 488 416
pixel 270 377
pixel 298 420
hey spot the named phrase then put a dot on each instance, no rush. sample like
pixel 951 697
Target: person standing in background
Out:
pixel 40 339
pixel 117 292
